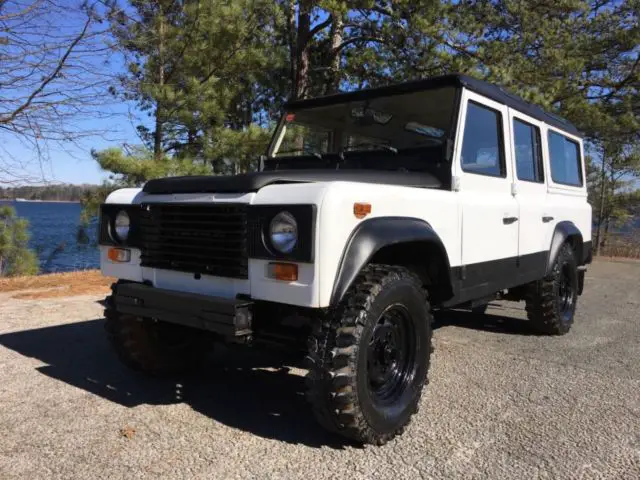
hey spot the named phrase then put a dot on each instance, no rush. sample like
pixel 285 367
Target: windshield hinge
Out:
pixel 449 147
pixel 514 189
pixel 455 184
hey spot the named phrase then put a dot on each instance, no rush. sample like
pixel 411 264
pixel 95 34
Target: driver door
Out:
pixel 490 212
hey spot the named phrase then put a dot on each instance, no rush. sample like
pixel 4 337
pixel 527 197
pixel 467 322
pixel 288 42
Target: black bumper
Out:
pixel 224 316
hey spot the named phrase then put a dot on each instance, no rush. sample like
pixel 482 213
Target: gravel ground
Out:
pixel 502 403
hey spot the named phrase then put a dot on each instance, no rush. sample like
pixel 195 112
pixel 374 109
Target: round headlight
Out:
pixel 283 232
pixel 122 225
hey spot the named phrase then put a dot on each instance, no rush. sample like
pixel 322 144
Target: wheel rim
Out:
pixel 391 355
pixel 566 293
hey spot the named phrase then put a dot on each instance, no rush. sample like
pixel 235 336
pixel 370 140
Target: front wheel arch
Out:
pixel 408 242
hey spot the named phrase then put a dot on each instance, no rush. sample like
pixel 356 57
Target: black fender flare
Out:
pixel 564 231
pixel 371 236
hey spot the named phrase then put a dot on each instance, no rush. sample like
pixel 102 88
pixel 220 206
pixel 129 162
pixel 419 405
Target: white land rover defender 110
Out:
pixel 371 209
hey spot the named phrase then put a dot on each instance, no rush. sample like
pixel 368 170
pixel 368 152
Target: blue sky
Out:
pixel 114 119
pixel 74 164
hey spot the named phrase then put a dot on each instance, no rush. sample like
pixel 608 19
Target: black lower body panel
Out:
pixel 224 316
pixel 479 280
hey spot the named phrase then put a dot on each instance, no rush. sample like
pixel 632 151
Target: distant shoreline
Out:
pixel 12 200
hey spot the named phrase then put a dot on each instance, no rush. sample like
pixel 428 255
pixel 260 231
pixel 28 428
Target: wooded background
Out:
pixel 209 78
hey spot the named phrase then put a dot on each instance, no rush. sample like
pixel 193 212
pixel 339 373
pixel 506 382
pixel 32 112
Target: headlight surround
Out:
pixel 122 226
pixel 283 232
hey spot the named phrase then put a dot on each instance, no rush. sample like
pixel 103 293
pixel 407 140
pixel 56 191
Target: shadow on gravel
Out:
pixel 248 390
pixel 488 322
pixel 242 388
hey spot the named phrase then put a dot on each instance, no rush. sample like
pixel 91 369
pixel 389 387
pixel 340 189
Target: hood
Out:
pixel 252 182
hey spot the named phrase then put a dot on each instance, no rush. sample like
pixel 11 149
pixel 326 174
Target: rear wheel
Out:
pixel 551 302
pixel 154 347
pixel 368 361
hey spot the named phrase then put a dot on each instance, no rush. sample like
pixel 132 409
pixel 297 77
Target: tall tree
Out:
pixel 194 66
pixel 613 187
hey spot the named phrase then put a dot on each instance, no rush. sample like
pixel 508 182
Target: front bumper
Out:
pixel 224 316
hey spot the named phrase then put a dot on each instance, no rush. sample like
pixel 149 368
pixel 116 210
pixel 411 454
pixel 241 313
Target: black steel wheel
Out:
pixel 368 360
pixel 551 302
pixel 391 362
pixel 566 292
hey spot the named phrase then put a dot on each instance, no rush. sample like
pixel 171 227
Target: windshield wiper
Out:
pixel 379 146
pixel 306 151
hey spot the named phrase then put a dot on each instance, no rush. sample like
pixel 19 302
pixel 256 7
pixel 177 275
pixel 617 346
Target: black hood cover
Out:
pixel 252 182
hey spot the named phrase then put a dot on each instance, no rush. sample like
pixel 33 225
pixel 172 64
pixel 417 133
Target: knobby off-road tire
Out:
pixel 368 359
pixel 152 347
pixel 551 302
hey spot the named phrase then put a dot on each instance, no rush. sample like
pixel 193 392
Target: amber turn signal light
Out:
pixel 287 272
pixel 361 210
pixel 119 255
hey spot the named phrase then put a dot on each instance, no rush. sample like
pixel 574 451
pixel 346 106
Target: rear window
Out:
pixel 565 160
pixel 527 151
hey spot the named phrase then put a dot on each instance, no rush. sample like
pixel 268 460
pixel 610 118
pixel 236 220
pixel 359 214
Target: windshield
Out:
pixel 386 124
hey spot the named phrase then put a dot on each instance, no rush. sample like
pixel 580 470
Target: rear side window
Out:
pixel 527 151
pixel 565 160
pixel 482 150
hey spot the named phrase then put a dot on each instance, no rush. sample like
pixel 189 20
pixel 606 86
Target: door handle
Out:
pixel 509 220
pixel 547 219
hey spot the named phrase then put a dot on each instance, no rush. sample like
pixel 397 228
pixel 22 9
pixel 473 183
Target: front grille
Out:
pixel 209 239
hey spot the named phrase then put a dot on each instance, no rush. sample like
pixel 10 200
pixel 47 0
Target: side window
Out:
pixel 528 154
pixel 565 160
pixel 482 149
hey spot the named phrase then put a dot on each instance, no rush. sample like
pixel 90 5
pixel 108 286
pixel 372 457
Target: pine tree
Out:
pixel 195 67
pixel 15 257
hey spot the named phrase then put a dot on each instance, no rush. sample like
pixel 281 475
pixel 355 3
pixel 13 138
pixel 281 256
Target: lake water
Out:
pixel 53 228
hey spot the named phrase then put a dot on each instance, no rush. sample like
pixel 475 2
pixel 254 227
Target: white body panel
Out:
pixel 437 207
pixel 485 201
pixel 565 202
pixel 334 202
pixel 470 220
pixel 533 232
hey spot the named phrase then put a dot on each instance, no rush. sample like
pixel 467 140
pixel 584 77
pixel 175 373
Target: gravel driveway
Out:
pixel 502 403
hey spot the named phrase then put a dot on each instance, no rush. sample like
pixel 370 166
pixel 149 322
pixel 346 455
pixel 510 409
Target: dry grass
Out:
pixel 57 285
pixel 623 245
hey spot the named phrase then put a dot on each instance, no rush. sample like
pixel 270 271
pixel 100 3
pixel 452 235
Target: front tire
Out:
pixel 368 360
pixel 153 347
pixel 551 302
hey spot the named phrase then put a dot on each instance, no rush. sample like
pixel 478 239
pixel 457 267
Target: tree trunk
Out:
pixel 337 34
pixel 293 54
pixel 603 191
pixel 605 237
pixel 301 85
pixel 612 185
pixel 157 135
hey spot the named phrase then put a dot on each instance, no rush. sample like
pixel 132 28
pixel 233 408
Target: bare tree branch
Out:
pixel 54 76
pixel 49 78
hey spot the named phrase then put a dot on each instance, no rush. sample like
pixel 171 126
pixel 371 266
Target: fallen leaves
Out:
pixel 127 432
